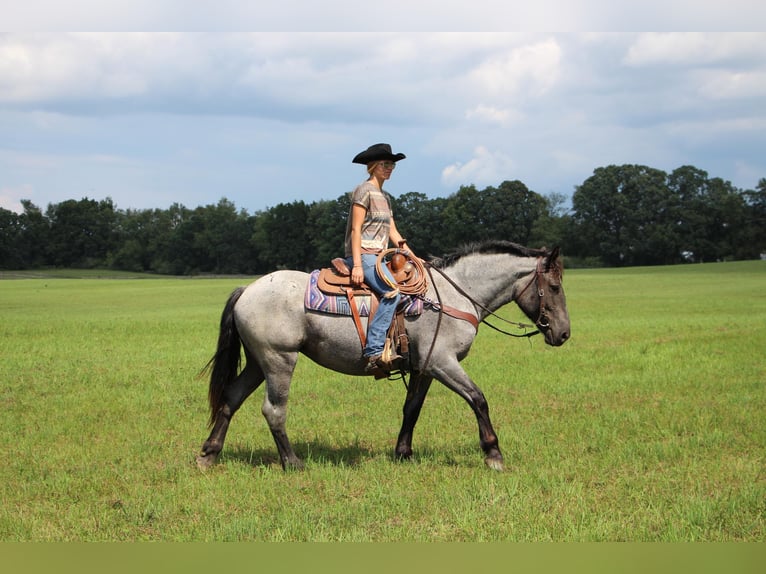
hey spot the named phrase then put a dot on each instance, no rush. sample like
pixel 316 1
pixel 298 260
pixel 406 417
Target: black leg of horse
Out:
pixel 416 395
pixel 234 395
pixel 455 378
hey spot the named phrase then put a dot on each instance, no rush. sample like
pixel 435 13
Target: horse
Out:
pixel 269 320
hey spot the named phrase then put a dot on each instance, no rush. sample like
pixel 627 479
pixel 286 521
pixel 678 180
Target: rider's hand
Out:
pixel 357 276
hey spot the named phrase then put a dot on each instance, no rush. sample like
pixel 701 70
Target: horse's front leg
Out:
pixel 455 378
pixel 416 395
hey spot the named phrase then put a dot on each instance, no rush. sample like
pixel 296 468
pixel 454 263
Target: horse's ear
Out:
pixel 553 258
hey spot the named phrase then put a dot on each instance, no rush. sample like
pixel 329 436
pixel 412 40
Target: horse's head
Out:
pixel 542 299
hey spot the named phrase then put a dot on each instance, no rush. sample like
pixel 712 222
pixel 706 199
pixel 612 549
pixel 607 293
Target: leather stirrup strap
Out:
pixel 355 315
pixel 402 341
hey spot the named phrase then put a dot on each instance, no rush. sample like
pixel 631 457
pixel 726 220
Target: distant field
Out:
pixel 649 425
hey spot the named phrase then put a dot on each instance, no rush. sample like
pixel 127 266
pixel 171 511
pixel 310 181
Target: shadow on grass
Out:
pixel 309 452
pixel 324 454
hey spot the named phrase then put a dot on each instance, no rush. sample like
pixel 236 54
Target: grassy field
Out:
pixel 647 426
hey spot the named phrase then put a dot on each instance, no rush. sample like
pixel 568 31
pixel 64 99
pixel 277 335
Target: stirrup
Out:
pixel 381 367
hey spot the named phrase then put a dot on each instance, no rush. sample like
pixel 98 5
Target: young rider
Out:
pixel 369 230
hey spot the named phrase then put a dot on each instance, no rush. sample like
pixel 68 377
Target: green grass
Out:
pixel 647 426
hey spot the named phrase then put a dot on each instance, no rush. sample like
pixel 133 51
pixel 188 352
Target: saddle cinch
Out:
pixel 336 280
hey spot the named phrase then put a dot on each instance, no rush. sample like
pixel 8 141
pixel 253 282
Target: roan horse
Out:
pixel 269 320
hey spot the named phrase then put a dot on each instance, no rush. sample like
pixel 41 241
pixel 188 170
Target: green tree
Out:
pixel 460 217
pixel 511 210
pixel 82 233
pixel 35 237
pixel 326 229
pixel 214 238
pixel 419 219
pixel 689 186
pixel 725 212
pixel 223 238
pixel 506 212
pixel 281 238
pixel 169 246
pixel 11 254
pixel 552 227
pixel 625 215
pixel 709 215
pixel 754 238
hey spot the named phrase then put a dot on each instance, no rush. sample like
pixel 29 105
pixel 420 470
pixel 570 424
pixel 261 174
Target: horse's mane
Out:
pixel 487 247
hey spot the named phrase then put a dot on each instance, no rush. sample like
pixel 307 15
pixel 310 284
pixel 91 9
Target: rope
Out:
pixel 489 312
pixel 416 284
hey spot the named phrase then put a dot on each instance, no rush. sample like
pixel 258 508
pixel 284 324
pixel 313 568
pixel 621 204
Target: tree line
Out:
pixel 620 216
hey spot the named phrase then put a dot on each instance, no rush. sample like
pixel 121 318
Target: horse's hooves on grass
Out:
pixel 495 464
pixel 403 455
pixel 205 461
pixel 293 465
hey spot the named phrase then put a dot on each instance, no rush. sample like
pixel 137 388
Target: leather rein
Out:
pixel 542 319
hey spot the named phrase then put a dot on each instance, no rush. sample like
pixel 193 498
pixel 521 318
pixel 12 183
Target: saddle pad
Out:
pixel 316 300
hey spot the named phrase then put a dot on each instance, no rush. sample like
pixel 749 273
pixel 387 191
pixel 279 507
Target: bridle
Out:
pixel 542 321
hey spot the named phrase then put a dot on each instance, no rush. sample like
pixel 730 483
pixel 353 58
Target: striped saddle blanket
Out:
pixel 317 300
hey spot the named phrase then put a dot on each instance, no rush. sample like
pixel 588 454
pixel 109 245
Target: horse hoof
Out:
pixel 205 461
pixel 402 454
pixel 294 465
pixel 495 464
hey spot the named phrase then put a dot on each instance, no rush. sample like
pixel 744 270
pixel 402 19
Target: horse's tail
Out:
pixel 224 365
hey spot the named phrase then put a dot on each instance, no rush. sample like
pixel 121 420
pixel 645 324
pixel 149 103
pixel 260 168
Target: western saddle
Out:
pixel 336 280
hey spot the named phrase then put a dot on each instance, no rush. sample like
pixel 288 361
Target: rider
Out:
pixel 369 229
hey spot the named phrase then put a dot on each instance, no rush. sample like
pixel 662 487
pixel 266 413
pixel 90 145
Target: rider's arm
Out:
pixel 358 213
pixel 396 238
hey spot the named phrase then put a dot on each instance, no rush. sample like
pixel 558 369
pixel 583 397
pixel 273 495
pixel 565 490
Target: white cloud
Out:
pixel 49 67
pixel 732 84
pixel 484 168
pixel 10 198
pixel 528 70
pixel 150 119
pixel 493 115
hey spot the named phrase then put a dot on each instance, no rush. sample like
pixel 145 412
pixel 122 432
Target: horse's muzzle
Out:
pixel 555 337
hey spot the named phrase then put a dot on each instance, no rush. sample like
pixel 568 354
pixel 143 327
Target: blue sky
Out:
pixel 272 116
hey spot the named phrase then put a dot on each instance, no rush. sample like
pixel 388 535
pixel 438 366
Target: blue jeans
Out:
pixel 377 328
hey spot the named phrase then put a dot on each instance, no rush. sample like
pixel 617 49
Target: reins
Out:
pixel 440 307
pixel 488 311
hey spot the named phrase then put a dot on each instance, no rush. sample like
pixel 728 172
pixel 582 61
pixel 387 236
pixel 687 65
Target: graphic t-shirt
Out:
pixel 377 220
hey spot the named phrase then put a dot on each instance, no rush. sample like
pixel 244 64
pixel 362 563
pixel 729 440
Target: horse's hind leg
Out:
pixel 233 396
pixel 278 377
pixel 416 396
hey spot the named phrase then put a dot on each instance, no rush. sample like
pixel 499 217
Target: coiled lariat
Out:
pixel 409 273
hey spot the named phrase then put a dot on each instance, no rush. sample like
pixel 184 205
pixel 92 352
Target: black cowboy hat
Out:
pixel 377 152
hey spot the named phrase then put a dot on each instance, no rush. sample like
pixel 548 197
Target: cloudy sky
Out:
pixel 153 118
